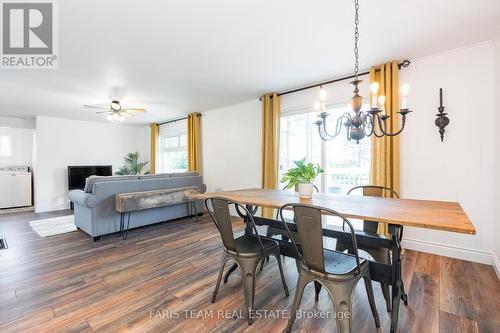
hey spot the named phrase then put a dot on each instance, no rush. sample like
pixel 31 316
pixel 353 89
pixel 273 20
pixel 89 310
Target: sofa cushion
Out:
pixel 90 181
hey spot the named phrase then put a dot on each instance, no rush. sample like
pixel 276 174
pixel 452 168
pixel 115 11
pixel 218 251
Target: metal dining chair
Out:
pixel 382 255
pixel 246 251
pixel 336 271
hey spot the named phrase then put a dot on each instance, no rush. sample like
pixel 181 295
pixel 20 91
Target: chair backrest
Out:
pixel 373 191
pixel 310 232
pixel 219 212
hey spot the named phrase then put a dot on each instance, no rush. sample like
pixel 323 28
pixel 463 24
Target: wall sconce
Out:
pixel 442 120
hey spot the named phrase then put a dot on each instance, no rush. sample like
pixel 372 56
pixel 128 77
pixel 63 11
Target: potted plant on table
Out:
pixel 302 177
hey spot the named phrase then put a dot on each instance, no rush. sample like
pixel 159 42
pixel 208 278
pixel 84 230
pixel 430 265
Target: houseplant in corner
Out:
pixel 133 166
pixel 302 177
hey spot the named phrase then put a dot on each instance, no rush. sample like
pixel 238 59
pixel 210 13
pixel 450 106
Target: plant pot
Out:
pixel 306 191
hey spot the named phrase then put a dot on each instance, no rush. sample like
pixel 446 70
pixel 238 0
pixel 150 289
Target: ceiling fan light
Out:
pixel 115 105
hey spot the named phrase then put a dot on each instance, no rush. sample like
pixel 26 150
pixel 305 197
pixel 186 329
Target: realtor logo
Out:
pixel 28 34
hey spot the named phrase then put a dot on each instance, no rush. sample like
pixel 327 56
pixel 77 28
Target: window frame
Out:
pixel 175 130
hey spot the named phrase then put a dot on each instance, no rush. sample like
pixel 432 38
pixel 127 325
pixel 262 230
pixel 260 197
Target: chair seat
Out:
pixel 249 245
pixel 340 263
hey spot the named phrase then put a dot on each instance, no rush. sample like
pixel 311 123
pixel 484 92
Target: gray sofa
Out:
pixel 95 205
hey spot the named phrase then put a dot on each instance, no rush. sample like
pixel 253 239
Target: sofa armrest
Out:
pixel 81 198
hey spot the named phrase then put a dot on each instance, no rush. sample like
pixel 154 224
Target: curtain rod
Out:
pixel 176 119
pixel 405 63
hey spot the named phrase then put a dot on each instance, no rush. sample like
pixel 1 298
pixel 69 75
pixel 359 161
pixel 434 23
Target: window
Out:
pixel 5 145
pixel 173 147
pixel 346 163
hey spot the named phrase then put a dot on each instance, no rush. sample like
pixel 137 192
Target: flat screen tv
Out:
pixel 78 174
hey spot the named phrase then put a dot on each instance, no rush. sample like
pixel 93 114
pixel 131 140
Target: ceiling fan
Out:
pixel 115 110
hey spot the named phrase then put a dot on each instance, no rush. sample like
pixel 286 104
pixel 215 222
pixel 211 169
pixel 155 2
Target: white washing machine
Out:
pixel 15 187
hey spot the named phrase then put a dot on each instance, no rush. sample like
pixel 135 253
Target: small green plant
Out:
pixel 302 174
pixel 133 166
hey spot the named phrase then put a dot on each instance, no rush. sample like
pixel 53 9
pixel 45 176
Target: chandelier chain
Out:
pixel 356 38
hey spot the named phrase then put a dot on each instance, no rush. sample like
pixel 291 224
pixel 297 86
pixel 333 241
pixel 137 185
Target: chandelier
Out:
pixel 362 123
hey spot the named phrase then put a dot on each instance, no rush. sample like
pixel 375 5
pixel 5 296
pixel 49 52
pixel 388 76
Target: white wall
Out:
pixel 460 168
pixel 497 153
pixel 21 140
pixel 232 146
pixel 62 142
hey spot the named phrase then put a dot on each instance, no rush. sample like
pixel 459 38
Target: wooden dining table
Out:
pixel 397 213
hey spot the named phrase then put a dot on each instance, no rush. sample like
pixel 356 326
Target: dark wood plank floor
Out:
pixel 67 283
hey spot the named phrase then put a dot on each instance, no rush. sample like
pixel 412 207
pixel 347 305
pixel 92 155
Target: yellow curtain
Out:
pixel 270 144
pixel 154 140
pixel 385 150
pixel 194 142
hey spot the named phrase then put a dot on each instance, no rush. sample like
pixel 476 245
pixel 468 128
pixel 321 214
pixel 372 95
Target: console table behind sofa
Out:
pixel 95 208
pixel 126 203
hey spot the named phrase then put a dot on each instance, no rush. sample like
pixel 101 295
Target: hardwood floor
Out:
pixel 68 283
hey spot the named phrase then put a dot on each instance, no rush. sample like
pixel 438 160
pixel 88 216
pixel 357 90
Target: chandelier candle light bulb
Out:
pixel 405 89
pixel 381 102
pixel 374 90
pixel 322 94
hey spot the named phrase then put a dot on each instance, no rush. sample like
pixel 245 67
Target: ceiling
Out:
pixel 178 56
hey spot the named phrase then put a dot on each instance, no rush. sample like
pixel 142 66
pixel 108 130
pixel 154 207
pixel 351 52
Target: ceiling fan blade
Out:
pixel 103 112
pixel 95 107
pixel 134 110
pixel 128 113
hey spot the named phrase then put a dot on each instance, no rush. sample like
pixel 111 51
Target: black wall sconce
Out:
pixel 442 120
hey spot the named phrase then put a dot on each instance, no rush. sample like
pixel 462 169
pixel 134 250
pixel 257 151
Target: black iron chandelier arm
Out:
pixel 338 127
pixel 383 128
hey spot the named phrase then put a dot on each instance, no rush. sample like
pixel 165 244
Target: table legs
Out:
pixel 398 291
pixel 124 227
pixel 191 209
pixel 3 243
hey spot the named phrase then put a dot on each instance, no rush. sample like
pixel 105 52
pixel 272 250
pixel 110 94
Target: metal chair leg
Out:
pixel 341 295
pixel 248 267
pixel 225 259
pixel 229 271
pixel 379 255
pixel 302 281
pixel 371 299
pixel 285 287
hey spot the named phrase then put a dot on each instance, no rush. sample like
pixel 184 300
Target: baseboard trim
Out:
pixel 450 251
pixel 496 265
